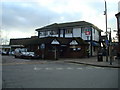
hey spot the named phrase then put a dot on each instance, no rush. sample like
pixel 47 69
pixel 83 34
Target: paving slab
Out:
pixel 94 62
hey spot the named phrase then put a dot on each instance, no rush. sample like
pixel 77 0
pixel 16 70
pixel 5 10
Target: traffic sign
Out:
pixel 42 46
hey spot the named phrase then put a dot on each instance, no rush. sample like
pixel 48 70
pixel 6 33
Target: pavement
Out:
pixel 86 61
pixel 94 62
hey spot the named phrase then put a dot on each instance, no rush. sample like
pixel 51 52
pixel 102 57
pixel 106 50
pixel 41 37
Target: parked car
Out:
pixel 11 53
pixel 5 53
pixel 23 53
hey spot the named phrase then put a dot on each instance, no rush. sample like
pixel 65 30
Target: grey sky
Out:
pixel 21 18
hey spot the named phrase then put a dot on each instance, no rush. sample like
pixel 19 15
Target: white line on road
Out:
pixel 37 68
pixel 69 68
pixel 48 68
pixel 79 68
pixel 99 67
pixel 59 68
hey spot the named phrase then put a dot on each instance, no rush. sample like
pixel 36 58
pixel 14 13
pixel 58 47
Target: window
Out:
pixel 42 33
pixel 54 32
pixel 87 37
pixel 68 31
pixel 51 33
pixel 94 30
pixel 75 49
pixel 78 49
pixel 61 31
pixel 48 33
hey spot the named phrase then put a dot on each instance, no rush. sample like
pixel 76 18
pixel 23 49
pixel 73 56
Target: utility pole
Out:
pixel 0 38
pixel 105 13
pixel 110 48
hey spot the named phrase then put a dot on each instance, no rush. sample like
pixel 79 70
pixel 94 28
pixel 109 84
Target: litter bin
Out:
pixel 100 57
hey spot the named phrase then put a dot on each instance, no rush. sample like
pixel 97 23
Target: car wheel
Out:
pixel 15 56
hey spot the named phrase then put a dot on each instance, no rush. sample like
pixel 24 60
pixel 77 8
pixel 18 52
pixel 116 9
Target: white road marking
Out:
pixel 79 68
pixel 48 68
pixel 35 68
pixel 59 68
pixel 69 68
pixel 99 67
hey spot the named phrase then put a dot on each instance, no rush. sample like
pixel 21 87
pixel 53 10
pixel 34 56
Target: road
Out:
pixel 22 73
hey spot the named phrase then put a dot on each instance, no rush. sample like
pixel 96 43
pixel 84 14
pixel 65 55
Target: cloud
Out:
pixel 20 15
pixel 24 16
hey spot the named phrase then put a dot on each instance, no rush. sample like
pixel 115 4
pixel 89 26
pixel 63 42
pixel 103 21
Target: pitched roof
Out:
pixel 117 15
pixel 68 25
pixel 19 41
pixel 46 40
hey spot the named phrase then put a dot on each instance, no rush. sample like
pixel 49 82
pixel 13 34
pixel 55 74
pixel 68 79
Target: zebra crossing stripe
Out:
pixel 48 68
pixel 69 68
pixel 59 68
pixel 79 68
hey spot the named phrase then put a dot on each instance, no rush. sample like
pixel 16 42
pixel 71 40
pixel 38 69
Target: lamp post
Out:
pixel 110 47
pixel 105 13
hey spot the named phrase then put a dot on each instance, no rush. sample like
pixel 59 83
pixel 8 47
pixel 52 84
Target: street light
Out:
pixel 105 13
pixel 110 48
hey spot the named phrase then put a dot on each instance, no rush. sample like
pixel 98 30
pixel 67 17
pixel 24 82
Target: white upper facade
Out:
pixel 85 32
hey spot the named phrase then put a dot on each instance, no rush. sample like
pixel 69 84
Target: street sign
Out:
pixel 42 46
pixel 87 32
pixel 107 42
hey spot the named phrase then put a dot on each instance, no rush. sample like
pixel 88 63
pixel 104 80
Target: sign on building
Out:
pixel 42 46
pixel 87 30
pixel 55 42
pixel 74 42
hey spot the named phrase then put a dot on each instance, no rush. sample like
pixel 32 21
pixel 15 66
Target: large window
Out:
pixel 42 33
pixel 68 31
pixel 54 32
pixel 48 33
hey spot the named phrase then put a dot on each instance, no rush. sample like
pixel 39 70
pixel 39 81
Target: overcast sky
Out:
pixel 20 18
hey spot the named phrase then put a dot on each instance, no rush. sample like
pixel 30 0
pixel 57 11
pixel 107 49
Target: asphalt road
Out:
pixel 21 73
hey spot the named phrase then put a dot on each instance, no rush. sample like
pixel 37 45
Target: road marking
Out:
pixel 79 68
pixel 48 68
pixel 99 67
pixel 59 68
pixel 35 68
pixel 69 68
